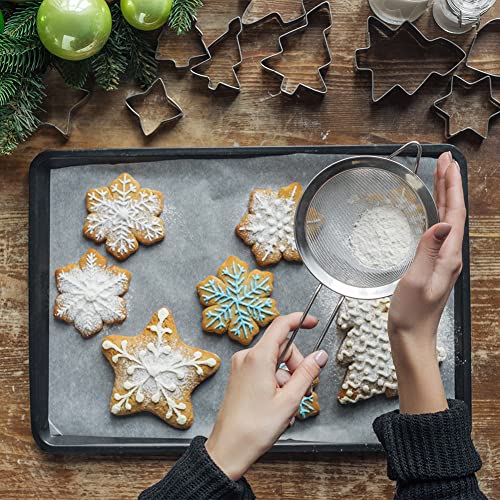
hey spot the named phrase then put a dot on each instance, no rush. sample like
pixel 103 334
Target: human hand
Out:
pixel 420 298
pixel 258 405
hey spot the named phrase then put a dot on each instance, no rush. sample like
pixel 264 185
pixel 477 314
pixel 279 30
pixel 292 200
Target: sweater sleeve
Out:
pixel 195 476
pixel 431 455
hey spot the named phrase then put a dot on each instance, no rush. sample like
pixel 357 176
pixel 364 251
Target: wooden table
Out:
pixel 344 116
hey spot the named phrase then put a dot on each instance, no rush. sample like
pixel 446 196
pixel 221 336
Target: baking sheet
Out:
pixel 204 200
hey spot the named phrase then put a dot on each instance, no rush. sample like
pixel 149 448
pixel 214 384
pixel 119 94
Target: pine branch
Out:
pixel 141 53
pixel 112 61
pixel 17 118
pixel 23 55
pixel 10 83
pixel 182 15
pixel 22 22
pixel 74 73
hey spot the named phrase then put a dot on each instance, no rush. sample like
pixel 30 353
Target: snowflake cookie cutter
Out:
pixel 490 28
pixel 375 27
pixel 466 86
pixel 178 63
pixel 322 70
pixel 282 18
pixel 196 69
pixel 142 96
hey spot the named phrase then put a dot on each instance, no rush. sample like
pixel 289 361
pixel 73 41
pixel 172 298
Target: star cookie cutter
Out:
pixel 129 101
pixel 420 41
pixel 447 117
pixel 284 20
pixel 321 69
pixel 178 62
pixel 490 28
pixel 195 70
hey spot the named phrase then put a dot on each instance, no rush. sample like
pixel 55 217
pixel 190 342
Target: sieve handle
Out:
pixel 406 146
pixel 328 324
pixel 294 334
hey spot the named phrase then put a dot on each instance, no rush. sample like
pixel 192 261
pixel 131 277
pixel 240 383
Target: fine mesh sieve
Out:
pixel 328 214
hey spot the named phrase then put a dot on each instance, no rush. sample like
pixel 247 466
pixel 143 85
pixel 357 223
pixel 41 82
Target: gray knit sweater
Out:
pixel 429 456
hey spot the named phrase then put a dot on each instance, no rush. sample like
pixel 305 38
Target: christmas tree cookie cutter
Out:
pixel 178 62
pixel 486 35
pixel 273 10
pixel 197 68
pixel 449 116
pixel 392 46
pixel 133 100
pixel 321 69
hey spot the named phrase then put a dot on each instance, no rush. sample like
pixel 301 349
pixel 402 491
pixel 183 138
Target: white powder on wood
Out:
pixel 381 238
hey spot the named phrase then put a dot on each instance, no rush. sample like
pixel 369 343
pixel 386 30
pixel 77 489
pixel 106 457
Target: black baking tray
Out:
pixel 39 282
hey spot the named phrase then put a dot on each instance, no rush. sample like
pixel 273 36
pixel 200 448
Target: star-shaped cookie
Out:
pixel 237 301
pixel 124 215
pixel 91 294
pixel 156 372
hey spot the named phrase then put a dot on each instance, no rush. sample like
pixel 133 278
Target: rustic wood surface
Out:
pixel 344 116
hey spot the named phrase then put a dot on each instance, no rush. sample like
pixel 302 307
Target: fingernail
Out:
pixel 442 231
pixel 321 358
pixel 449 156
pixel 456 165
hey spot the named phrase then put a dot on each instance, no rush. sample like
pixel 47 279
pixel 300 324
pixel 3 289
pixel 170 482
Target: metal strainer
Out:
pixel 330 207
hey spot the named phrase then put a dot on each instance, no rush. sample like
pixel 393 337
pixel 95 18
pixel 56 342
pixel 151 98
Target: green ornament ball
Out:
pixel 74 29
pixel 1 22
pixel 146 15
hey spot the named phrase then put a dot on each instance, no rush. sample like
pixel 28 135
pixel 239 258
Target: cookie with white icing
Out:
pixel 124 215
pixel 90 294
pixel 366 351
pixel 236 301
pixel 268 227
pixel 156 372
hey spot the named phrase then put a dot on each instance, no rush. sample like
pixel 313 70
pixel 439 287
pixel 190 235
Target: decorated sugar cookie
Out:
pixel 236 301
pixel 124 215
pixel 366 351
pixel 309 406
pixel 269 225
pixel 91 294
pixel 156 372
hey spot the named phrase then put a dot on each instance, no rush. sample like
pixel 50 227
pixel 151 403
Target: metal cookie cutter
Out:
pixel 196 69
pixel 141 96
pixel 376 29
pixel 490 29
pixel 468 87
pixel 272 10
pixel 321 70
pixel 185 63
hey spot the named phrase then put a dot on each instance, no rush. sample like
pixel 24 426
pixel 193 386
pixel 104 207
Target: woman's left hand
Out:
pixel 260 402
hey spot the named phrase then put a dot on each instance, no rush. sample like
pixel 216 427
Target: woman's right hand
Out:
pixel 420 298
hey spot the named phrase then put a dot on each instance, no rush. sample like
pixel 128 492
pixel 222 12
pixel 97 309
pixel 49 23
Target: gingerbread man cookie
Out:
pixel 237 301
pixel 124 215
pixel 91 294
pixel 156 372
pixel 269 225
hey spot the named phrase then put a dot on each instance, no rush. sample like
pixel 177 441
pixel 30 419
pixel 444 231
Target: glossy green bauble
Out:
pixel 74 29
pixel 1 22
pixel 146 15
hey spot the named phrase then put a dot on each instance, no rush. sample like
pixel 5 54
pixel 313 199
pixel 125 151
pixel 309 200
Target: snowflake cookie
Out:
pixel 309 406
pixel 237 301
pixel 366 351
pixel 269 225
pixel 90 294
pixel 156 372
pixel 124 215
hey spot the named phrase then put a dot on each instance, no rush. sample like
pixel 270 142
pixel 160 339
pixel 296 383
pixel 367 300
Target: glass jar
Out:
pixel 459 16
pixel 398 11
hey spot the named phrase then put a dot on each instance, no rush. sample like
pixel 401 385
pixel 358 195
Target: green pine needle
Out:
pixel 10 83
pixel 17 117
pixel 22 21
pixel 74 73
pixel 22 55
pixel 141 52
pixel 182 14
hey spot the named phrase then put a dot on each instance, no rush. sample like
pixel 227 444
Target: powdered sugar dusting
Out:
pixel 381 238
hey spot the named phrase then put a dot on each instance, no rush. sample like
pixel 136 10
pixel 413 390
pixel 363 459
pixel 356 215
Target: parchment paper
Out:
pixel 204 200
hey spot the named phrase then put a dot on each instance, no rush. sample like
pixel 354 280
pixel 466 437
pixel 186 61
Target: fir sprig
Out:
pixel 182 14
pixel 143 65
pixel 22 22
pixel 23 54
pixel 10 83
